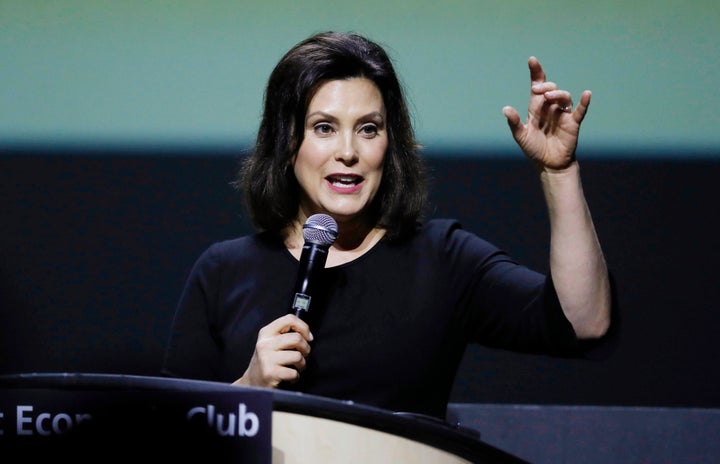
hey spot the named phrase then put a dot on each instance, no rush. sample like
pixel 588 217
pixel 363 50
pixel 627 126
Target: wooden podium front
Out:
pixel 298 438
pixel 76 414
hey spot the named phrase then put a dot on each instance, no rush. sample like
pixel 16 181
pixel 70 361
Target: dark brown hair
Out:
pixel 268 184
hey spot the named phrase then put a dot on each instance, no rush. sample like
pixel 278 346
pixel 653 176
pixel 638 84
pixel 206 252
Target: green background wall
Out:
pixel 191 73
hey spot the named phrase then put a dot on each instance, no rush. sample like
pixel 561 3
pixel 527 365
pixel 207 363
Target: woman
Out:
pixel 401 298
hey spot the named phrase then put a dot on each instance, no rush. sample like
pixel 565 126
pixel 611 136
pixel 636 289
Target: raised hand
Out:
pixel 549 135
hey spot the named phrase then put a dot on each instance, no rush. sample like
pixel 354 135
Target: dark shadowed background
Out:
pixel 95 250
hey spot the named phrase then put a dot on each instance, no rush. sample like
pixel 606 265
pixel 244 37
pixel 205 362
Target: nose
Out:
pixel 346 151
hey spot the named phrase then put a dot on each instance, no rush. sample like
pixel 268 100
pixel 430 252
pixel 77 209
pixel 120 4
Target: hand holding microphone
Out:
pixel 280 353
pixel 283 345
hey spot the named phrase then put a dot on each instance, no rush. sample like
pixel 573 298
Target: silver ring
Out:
pixel 566 108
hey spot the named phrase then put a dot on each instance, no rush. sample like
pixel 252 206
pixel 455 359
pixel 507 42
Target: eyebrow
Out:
pixel 374 115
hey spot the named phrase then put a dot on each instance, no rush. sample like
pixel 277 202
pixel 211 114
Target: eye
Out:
pixel 369 130
pixel 323 128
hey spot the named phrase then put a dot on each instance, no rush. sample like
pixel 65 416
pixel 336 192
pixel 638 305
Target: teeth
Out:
pixel 344 180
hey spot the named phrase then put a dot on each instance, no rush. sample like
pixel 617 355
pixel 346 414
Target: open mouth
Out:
pixel 344 181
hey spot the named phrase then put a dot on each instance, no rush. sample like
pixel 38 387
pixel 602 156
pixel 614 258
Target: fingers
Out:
pixel 270 368
pixel 287 323
pixel 582 107
pixel 537 74
pixel 282 366
pixel 514 122
pixel 560 98
pixel 555 98
pixel 563 102
pixel 280 352
pixel 288 332
pixel 283 342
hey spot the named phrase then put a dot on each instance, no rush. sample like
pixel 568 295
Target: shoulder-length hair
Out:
pixel 270 190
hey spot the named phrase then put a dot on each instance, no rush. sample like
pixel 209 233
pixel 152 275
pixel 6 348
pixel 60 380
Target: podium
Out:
pixel 91 417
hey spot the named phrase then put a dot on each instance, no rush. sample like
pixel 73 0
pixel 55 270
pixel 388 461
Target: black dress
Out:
pixel 390 328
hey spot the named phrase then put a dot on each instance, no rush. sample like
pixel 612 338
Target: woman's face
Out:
pixel 340 161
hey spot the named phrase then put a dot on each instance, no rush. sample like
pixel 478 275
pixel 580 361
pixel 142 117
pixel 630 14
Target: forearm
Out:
pixel 577 263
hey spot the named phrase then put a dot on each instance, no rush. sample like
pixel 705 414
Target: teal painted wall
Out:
pixel 191 73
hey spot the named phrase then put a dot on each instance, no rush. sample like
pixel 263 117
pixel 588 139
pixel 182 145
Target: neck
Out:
pixel 354 240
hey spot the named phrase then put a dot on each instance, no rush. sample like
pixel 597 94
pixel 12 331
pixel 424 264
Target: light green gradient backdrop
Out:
pixel 193 72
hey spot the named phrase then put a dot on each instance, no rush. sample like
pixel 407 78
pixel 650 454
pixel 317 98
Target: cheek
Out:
pixel 379 157
pixel 307 162
pixel 312 152
pixel 305 157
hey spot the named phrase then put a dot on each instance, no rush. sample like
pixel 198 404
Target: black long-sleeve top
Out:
pixel 390 328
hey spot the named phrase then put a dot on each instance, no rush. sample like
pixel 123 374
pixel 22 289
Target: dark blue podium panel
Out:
pixel 95 422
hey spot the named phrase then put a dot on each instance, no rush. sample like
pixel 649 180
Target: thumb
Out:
pixel 513 120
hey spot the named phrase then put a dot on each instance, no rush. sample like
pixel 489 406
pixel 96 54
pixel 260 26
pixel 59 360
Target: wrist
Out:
pixel 552 175
pixel 241 382
pixel 563 189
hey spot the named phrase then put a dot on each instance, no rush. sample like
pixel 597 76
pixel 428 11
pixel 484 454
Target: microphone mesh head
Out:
pixel 320 229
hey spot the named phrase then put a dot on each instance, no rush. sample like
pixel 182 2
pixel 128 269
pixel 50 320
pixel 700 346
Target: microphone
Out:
pixel 319 232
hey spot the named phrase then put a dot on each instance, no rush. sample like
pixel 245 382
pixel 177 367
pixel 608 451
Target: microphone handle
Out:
pixel 312 262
